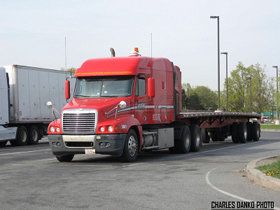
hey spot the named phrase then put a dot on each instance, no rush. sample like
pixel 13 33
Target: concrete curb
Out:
pixel 260 178
pixel 270 130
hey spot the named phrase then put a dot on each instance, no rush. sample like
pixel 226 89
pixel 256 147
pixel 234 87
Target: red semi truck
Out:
pixel 126 105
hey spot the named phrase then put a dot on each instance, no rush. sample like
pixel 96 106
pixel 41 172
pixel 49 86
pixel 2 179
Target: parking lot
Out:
pixel 31 178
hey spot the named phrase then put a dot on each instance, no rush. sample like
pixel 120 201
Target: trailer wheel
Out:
pixel 34 135
pixel 205 138
pixel 130 152
pixel 249 130
pixel 3 143
pixel 242 132
pixel 65 158
pixel 21 137
pixel 256 131
pixel 195 138
pixel 41 131
pixel 234 133
pixel 217 135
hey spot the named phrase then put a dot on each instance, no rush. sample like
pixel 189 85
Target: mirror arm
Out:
pixel 116 113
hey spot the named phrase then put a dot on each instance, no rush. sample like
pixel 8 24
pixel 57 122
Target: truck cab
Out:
pixel 5 133
pixel 120 106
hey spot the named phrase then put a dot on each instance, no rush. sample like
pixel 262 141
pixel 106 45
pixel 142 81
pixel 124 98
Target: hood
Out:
pixel 94 103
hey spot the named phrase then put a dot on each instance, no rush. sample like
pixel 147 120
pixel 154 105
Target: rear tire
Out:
pixel 195 138
pixel 183 145
pixel 216 135
pixel 205 138
pixel 234 133
pixel 249 130
pixel 3 143
pixel 21 137
pixel 34 135
pixel 256 131
pixel 242 132
pixel 130 152
pixel 65 158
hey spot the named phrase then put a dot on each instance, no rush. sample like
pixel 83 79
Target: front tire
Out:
pixel 65 158
pixel 130 152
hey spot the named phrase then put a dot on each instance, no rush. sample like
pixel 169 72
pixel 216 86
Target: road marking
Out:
pixel 224 192
pixel 234 146
pixel 16 153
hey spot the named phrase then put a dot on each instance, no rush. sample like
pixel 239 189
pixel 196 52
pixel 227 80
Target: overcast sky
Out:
pixel 32 33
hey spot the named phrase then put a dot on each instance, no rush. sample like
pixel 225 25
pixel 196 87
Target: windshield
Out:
pixel 103 87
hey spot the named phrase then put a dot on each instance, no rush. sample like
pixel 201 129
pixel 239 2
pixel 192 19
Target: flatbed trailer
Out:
pixel 218 125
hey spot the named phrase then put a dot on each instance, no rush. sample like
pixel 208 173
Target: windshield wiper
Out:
pixel 82 96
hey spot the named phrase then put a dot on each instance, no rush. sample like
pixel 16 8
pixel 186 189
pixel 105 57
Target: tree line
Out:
pixel 249 90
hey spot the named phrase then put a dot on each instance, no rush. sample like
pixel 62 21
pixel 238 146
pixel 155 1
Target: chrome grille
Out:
pixel 79 122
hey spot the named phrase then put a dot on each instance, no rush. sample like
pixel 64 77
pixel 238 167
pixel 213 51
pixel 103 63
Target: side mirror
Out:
pixel 49 104
pixel 151 87
pixel 122 104
pixel 67 89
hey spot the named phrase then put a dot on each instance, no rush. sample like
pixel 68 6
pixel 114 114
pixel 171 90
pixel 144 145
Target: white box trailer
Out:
pixel 24 92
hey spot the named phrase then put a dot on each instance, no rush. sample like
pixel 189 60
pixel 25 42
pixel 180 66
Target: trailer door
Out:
pixel 4 101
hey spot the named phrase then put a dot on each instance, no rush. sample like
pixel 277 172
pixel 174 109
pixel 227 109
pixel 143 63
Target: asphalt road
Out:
pixel 31 178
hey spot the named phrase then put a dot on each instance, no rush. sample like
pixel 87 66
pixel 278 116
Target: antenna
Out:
pixel 65 53
pixel 151 45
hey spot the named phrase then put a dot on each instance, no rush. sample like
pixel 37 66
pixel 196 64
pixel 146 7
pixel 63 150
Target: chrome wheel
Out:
pixel 132 146
pixel 130 151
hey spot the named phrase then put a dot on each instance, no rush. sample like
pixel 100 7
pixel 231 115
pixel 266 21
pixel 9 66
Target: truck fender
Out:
pixel 132 123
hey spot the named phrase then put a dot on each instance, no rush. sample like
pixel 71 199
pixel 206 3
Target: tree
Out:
pixel 199 98
pixel 249 89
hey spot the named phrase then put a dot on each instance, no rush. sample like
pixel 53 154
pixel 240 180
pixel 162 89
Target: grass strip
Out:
pixel 270 126
pixel 272 169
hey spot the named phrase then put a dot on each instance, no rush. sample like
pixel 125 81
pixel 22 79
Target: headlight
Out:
pixel 110 128
pixel 57 130
pixel 102 129
pixel 52 129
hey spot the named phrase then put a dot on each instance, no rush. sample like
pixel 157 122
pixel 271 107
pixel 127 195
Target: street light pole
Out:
pixel 218 40
pixel 226 53
pixel 277 113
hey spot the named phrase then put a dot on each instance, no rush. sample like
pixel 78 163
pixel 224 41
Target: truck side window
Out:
pixel 141 87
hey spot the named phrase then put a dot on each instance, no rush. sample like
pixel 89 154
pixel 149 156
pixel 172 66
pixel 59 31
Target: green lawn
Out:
pixel 270 126
pixel 271 169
